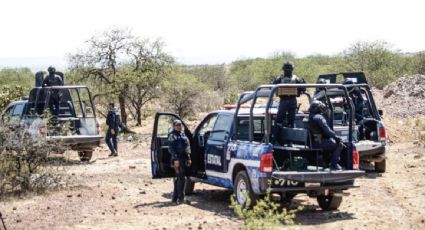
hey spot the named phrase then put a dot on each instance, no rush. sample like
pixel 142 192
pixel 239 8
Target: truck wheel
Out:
pixel 189 186
pixel 85 155
pixel 243 190
pixel 380 167
pixel 329 202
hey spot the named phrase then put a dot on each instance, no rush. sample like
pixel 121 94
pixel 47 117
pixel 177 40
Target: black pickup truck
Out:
pixel 369 135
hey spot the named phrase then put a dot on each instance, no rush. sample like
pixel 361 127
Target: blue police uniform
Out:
pixel 287 106
pixel 179 148
pixel 113 122
pixel 324 137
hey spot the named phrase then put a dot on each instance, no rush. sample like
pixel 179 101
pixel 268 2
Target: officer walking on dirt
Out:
pixel 323 136
pixel 288 103
pixel 113 121
pixel 179 148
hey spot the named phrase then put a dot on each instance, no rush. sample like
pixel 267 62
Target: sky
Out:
pixel 40 33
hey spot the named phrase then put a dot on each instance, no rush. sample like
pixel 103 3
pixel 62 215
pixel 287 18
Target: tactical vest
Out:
pixel 180 143
pixel 287 80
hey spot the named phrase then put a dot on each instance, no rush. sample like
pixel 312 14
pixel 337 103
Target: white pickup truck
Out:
pixel 73 123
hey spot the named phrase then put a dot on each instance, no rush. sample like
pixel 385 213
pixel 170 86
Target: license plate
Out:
pixel 285 183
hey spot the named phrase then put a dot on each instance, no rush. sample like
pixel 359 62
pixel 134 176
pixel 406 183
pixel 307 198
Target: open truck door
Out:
pixel 160 156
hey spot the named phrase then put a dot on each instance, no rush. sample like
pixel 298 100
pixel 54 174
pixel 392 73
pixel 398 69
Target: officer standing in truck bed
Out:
pixel 288 102
pixel 52 79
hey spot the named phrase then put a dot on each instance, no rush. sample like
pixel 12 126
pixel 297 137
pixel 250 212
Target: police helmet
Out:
pixel 288 66
pixel 51 70
pixel 321 81
pixel 317 107
pixel 348 82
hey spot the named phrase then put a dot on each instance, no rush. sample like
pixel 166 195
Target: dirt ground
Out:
pixel 118 193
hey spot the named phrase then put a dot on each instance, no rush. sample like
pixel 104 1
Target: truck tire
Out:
pixel 244 194
pixel 189 186
pixel 85 155
pixel 380 167
pixel 329 202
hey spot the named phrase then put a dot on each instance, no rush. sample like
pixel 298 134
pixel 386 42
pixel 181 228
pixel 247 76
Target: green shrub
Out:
pixel 9 94
pixel 266 214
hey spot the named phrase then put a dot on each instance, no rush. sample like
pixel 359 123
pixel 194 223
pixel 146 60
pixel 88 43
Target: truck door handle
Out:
pixel 220 146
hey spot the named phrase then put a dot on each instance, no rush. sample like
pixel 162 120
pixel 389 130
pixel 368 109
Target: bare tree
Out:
pixel 101 61
pixel 123 65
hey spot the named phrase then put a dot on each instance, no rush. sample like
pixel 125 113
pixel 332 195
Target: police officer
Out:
pixel 52 79
pixel 113 121
pixel 356 96
pixel 179 148
pixel 323 136
pixel 288 103
pixel 359 104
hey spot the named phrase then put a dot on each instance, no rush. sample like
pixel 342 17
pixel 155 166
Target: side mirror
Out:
pixel 381 112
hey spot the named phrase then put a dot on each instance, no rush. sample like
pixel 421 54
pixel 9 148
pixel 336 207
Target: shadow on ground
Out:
pixel 64 161
pixel 218 201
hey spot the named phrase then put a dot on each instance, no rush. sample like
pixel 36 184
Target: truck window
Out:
pixel 243 129
pixel 165 125
pixel 222 127
pixel 9 111
pixel 208 125
pixel 19 109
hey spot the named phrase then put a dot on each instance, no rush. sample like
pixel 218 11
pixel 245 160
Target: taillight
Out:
pixel 356 159
pixel 266 163
pixel 42 130
pixel 382 133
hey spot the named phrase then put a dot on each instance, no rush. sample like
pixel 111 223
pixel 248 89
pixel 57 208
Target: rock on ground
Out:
pixel 405 98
